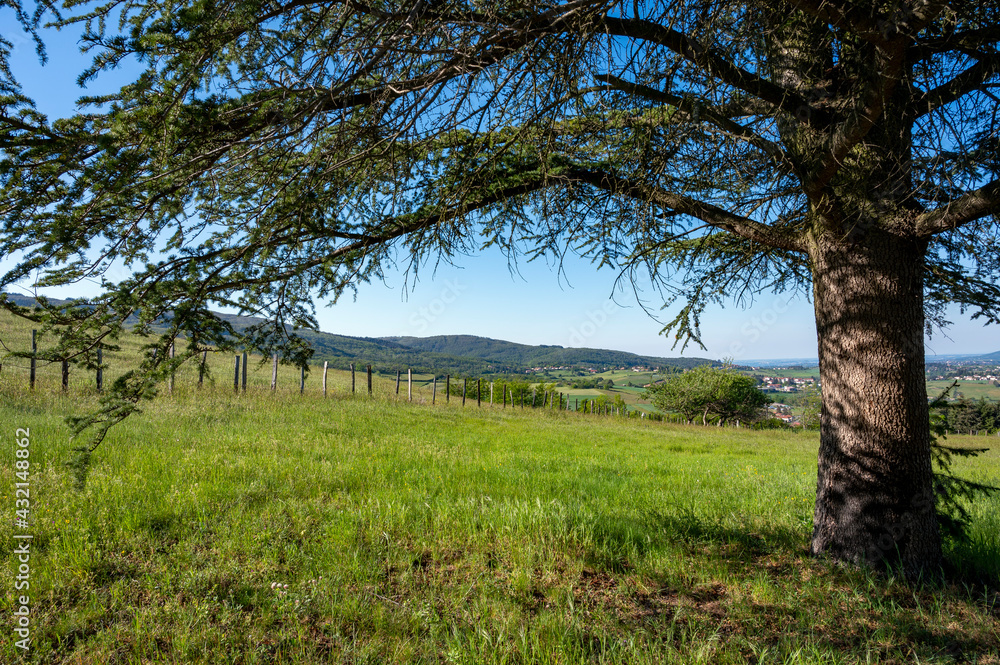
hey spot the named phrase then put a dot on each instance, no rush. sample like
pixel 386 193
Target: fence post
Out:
pixel 434 390
pixel 397 381
pixel 352 378
pixel 447 388
pixel 243 382
pixel 302 379
pixel 236 376
pixel 409 384
pixel 479 393
pixel 369 380
pixel 201 367
pixel 100 370
pixel 465 389
pixel 491 394
pixel 34 353
pixel 65 375
pixel 505 396
pixel 170 383
pixel 326 366
pixel 274 372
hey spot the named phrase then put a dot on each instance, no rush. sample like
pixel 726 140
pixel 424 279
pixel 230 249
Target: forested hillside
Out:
pixel 456 354
pixel 523 355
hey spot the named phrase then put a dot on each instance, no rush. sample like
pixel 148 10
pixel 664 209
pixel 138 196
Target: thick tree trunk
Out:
pixel 874 497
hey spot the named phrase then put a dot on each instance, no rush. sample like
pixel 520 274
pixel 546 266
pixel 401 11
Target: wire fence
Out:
pixel 33 368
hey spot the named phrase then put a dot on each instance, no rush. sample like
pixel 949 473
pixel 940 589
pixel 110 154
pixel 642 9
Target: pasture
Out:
pixel 972 390
pixel 282 528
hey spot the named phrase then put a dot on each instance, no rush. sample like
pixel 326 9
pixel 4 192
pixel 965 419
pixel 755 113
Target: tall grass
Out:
pixel 411 533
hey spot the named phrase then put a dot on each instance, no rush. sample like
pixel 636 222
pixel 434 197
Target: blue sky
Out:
pixel 480 295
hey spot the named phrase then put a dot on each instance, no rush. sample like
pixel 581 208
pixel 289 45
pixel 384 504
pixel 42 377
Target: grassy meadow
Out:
pixel 286 528
pixel 274 527
pixel 972 390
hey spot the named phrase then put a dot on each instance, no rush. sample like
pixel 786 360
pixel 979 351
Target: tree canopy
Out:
pixel 274 153
pixel 722 392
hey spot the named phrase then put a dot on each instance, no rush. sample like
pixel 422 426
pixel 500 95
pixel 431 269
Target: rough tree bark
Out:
pixel 875 498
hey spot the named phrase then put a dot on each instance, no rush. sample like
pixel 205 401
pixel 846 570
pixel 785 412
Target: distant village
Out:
pixel 968 377
pixel 965 371
pixel 784 384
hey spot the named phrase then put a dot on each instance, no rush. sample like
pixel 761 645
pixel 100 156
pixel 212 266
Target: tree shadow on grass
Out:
pixel 663 531
pixel 762 588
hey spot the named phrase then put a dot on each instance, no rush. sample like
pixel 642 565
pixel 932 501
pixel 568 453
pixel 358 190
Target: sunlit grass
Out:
pixel 411 533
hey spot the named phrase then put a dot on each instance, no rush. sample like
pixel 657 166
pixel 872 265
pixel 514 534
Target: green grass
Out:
pixel 803 373
pixel 411 533
pixel 973 390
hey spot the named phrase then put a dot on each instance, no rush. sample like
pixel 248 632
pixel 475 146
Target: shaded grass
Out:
pixel 411 534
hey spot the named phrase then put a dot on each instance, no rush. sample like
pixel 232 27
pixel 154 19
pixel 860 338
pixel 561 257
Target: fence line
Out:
pixel 241 370
pixel 517 393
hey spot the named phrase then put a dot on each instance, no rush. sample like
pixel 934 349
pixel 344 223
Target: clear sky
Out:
pixel 481 296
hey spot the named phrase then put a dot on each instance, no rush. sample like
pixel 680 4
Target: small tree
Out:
pixel 707 390
pixel 736 396
pixel 812 403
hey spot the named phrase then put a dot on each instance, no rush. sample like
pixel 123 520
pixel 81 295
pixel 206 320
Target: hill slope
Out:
pixel 523 355
pixel 457 354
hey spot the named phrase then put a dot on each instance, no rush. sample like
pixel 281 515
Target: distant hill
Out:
pixel 527 356
pixel 458 354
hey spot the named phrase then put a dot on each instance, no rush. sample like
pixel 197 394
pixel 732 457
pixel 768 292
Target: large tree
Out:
pixel 276 151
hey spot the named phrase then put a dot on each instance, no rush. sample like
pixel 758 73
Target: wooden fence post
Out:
pixel 100 370
pixel 170 383
pixel 369 380
pixel 505 395
pixel 201 367
pixel 326 366
pixel 465 389
pixel 491 393
pixel 352 378
pixel 302 379
pixel 34 353
pixel 274 372
pixel 236 376
pixel 397 381
pixel 65 375
pixel 243 383
pixel 434 390
pixel 479 392
pixel 409 384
